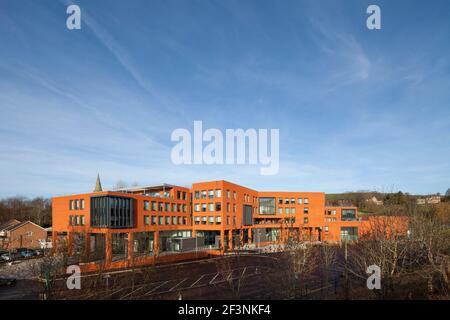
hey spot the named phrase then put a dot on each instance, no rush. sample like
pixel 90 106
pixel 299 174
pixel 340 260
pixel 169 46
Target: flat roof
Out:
pixel 143 188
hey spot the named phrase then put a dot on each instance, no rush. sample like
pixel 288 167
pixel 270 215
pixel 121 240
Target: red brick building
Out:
pixel 159 223
pixel 15 234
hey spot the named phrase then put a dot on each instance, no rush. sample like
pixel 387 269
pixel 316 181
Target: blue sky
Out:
pixel 357 109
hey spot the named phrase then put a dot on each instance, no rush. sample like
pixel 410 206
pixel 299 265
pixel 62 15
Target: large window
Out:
pixel 248 215
pixel 348 214
pixel 349 233
pixel 143 243
pixel 267 206
pixel 112 212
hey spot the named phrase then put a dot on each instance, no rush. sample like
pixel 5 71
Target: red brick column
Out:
pixel 130 248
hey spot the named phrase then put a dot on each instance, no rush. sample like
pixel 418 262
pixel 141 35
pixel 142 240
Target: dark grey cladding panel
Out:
pixel 247 219
pixel 112 212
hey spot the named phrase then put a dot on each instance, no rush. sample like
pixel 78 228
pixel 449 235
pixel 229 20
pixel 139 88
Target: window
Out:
pixel 292 200
pixel 305 220
pixel 293 210
pixel 306 200
pixel 211 220
pixel 180 221
pixel 112 212
pixel 82 203
pixel 218 220
pixel 348 214
pixel 300 200
pixel 211 207
pixel 326 228
pixel 174 207
pixel 228 194
pixel 161 220
pixel 287 210
pixel 280 200
pixel 210 194
pixel 197 220
pixel 203 207
pixel 161 206
pixel 234 195
pixel 197 195
pixel 218 206
pixel 305 210
pixel 203 220
pixel 197 207
pixel 146 205
pixel 146 220
pixel 180 208
pixel 234 208
pixel 153 205
pixel 77 220
pixel 333 212
pixel 153 220
pixel 349 233
pixel 71 205
pixel 82 220
pixel 174 220
pixel 218 193
pixel 71 221
pixel 228 220
pixel 247 218
pixel 179 195
pixel 184 208
pixel 280 210
pixel 203 194
pixel 167 220
pixel 267 205
pixel 77 204
pixel 29 233
pixel 167 207
pixel 286 200
pixel 228 207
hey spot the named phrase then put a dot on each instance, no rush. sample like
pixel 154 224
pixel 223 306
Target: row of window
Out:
pixel 287 211
pixel 331 212
pixel 76 220
pixel 164 206
pixel 208 220
pixel 211 207
pixel 209 194
pixel 160 220
pixel 292 201
pixel 77 204
pixel 217 193
pixel 181 195
pixel 330 219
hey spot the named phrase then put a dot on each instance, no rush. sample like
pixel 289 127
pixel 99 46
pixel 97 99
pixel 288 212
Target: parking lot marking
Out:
pixel 178 284
pixel 157 287
pixel 200 278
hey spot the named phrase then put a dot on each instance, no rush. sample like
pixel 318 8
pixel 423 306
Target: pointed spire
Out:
pixel 98 184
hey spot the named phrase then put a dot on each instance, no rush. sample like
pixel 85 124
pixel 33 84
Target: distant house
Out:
pixel 374 200
pixel 429 200
pixel 15 234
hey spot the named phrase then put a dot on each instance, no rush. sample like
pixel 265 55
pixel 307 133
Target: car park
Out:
pixel 6 282
pixel 11 256
pixel 27 253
